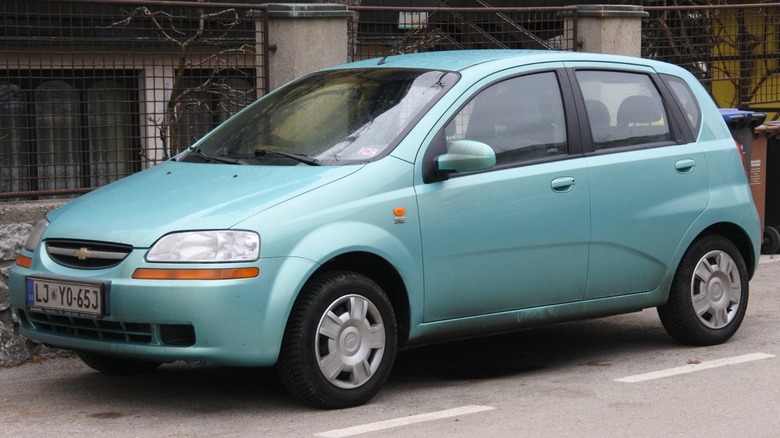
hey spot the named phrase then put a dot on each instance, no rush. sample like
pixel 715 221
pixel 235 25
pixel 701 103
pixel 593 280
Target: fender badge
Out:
pixel 399 213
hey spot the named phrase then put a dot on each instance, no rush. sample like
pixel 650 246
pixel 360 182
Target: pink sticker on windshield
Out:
pixel 367 152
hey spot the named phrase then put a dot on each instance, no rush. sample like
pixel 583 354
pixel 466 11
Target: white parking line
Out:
pixel 695 367
pixel 388 424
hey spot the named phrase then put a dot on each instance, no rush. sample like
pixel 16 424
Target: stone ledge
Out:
pixel 28 212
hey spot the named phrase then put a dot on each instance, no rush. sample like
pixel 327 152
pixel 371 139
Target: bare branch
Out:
pixel 210 29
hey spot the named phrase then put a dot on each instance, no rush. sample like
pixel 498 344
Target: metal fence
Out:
pixel 733 49
pixel 92 91
pixel 381 30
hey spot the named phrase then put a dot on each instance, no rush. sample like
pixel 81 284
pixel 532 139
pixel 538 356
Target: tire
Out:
pixel 117 366
pixel 709 293
pixel 340 342
pixel 771 243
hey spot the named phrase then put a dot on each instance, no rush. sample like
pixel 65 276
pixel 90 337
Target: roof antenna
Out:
pixel 397 46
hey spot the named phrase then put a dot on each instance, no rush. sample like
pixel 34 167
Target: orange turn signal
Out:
pixel 23 261
pixel 399 211
pixel 195 274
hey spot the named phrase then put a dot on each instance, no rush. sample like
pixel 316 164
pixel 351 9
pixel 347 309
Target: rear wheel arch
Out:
pixel 738 237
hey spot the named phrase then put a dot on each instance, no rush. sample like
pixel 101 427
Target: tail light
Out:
pixel 742 158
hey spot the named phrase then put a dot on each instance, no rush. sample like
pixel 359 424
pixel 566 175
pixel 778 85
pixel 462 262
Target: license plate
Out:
pixel 67 297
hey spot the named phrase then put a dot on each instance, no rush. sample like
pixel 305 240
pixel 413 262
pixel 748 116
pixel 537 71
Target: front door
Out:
pixel 515 236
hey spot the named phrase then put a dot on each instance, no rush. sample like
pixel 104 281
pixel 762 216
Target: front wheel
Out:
pixel 709 293
pixel 340 342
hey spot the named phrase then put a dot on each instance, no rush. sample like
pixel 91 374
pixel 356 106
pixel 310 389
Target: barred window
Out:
pixel 204 100
pixel 70 131
pixel 14 153
pixel 67 130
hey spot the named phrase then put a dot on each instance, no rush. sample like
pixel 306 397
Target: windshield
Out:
pixel 328 118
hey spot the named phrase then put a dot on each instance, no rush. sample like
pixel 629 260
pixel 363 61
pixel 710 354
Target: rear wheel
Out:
pixel 709 293
pixel 117 366
pixel 340 342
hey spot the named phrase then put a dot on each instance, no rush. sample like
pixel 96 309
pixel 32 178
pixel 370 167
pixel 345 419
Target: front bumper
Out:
pixel 231 322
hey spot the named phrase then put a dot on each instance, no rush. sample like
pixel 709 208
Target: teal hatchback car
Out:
pixel 402 201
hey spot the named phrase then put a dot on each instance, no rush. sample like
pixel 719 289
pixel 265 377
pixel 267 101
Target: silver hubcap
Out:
pixel 716 289
pixel 350 341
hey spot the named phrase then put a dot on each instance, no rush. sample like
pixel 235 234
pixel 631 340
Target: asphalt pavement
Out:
pixel 612 377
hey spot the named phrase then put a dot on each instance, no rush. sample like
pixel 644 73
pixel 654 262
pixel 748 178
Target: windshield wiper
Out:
pixel 259 153
pixel 211 158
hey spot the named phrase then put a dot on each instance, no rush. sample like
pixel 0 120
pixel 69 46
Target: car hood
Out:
pixel 175 196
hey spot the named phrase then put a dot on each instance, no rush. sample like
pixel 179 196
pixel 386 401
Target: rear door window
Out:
pixel 623 109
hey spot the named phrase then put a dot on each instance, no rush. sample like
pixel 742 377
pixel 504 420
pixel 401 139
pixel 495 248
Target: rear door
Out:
pixel 648 182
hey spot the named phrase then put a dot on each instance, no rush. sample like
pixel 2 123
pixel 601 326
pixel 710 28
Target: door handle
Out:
pixel 685 166
pixel 563 184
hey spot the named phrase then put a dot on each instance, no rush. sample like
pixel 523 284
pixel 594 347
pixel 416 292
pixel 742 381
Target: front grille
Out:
pixel 81 254
pixel 130 332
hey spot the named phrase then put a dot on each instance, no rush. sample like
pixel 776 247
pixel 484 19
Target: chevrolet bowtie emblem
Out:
pixel 82 253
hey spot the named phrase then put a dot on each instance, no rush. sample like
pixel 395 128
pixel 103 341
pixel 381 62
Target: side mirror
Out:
pixel 466 156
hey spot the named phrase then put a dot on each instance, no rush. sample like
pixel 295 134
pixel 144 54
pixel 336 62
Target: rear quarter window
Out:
pixel 688 103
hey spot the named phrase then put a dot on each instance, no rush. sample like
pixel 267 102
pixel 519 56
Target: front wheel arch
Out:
pixel 385 275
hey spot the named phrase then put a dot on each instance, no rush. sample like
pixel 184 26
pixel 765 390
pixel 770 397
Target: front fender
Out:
pixel 399 246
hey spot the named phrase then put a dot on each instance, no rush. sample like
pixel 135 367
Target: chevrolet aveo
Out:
pixel 391 203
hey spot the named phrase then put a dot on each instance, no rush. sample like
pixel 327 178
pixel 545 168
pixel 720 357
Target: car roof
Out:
pixel 448 60
pixel 460 60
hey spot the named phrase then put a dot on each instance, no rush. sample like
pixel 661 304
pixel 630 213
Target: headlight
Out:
pixel 35 235
pixel 206 246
